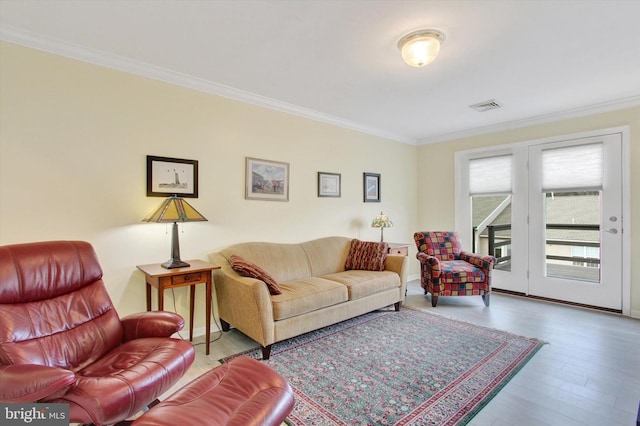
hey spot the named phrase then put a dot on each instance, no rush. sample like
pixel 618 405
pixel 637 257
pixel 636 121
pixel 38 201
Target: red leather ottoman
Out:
pixel 241 392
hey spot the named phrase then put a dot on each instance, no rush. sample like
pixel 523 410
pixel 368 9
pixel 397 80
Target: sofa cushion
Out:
pixel 248 269
pixel 327 255
pixel 366 255
pixel 307 295
pixel 365 283
pixel 285 262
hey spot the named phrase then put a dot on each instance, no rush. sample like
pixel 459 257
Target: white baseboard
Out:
pixel 635 314
pixel 200 331
pixel 197 332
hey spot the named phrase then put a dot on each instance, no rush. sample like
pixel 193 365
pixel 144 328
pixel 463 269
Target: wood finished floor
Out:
pixel 587 374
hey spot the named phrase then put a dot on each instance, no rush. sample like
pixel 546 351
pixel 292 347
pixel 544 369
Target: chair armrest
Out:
pixel 430 262
pixel 479 260
pixel 151 324
pixel 30 382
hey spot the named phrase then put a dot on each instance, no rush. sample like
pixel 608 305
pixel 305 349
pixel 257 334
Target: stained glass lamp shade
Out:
pixel 174 209
pixel 381 221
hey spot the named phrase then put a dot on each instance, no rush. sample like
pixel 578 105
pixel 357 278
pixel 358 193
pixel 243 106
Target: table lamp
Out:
pixel 174 209
pixel 381 221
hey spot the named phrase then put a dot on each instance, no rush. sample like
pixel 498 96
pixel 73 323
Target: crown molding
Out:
pixel 602 107
pixel 120 63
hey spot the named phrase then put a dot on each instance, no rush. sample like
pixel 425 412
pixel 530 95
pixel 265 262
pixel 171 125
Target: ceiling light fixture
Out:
pixel 421 47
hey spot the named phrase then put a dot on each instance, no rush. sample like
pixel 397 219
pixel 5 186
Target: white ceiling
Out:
pixel 337 61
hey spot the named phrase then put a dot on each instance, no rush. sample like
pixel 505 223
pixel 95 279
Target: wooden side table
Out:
pixel 198 273
pixel 398 249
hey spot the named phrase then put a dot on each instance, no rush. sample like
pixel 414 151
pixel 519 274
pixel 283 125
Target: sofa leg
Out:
pixel 485 299
pixel 434 300
pixel 397 306
pixel 266 352
pixel 225 325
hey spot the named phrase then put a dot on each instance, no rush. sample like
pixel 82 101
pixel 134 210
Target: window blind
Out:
pixel 574 167
pixel 490 175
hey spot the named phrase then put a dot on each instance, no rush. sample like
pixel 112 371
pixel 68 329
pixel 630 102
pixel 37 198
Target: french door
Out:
pixel 556 227
pixel 575 231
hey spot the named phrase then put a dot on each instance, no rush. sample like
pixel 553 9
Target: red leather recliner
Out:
pixel 61 339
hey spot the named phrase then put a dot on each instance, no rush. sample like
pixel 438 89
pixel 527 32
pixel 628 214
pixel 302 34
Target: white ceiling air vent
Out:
pixel 486 105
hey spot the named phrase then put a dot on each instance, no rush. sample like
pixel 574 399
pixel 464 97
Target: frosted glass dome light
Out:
pixel 421 47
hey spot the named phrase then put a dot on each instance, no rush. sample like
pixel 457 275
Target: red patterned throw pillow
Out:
pixel 248 269
pixel 367 255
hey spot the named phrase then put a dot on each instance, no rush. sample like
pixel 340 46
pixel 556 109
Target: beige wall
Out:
pixel 437 175
pixel 74 139
pixel 73 144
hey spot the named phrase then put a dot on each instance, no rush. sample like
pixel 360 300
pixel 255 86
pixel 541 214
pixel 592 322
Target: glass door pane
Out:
pixel 573 235
pixel 491 221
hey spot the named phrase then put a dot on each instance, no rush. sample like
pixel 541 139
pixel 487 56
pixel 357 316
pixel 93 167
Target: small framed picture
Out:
pixel 266 180
pixel 328 184
pixel 171 176
pixel 371 188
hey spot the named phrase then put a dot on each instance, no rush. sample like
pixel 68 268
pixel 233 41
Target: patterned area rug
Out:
pixel 397 368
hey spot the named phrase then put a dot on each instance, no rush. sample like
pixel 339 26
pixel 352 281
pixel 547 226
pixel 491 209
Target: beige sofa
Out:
pixel 316 289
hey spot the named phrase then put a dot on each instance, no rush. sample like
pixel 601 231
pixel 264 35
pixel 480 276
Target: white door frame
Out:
pixel 518 149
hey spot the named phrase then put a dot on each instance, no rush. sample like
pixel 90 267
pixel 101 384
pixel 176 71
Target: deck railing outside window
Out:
pixel 559 264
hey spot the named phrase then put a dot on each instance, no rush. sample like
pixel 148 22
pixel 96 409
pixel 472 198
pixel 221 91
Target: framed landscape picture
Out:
pixel 266 180
pixel 328 184
pixel 371 187
pixel 171 176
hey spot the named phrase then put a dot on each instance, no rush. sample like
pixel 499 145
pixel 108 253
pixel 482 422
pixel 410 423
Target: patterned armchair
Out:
pixel 447 270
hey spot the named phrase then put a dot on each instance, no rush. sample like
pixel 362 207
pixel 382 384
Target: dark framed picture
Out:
pixel 171 176
pixel 371 188
pixel 266 180
pixel 328 184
